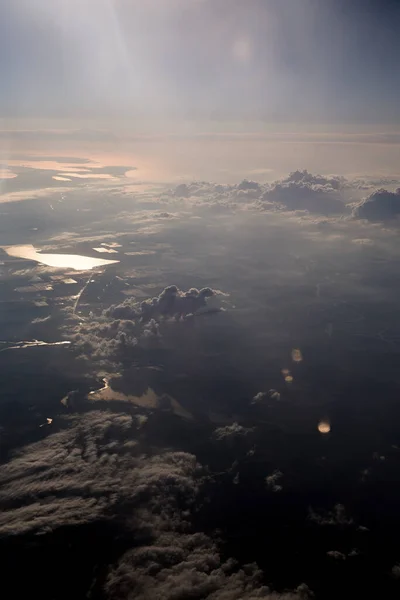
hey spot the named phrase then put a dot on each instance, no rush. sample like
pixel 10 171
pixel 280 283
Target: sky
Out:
pixel 228 157
pixel 283 61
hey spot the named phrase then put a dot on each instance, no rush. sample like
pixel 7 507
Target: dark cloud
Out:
pixel 96 471
pixel 101 339
pixel 70 477
pixel 396 571
pixel 172 302
pixel 335 554
pixel 122 327
pixel 178 567
pixel 273 481
pixel 151 329
pixel 336 517
pixel 381 205
pixel 128 309
pixel 232 432
pixel 262 397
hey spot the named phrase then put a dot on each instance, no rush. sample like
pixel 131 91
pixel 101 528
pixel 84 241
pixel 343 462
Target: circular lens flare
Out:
pixel 324 427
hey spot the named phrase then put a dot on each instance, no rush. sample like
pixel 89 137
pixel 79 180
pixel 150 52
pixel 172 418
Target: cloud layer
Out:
pixel 95 470
pixel 300 190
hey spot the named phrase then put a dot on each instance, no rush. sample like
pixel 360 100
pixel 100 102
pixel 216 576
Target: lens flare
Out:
pixel 324 427
pixel 297 355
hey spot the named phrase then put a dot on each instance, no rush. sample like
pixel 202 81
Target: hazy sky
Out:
pixel 298 61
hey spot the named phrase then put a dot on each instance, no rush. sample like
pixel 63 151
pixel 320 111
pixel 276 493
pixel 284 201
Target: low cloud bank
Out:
pixel 95 471
pixel 300 191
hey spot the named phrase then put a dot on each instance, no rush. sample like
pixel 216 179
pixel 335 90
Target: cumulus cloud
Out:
pixel 262 397
pixel 232 432
pixel 182 191
pixel 259 397
pixel 300 190
pixel 206 188
pixel 381 205
pixel 247 185
pixel 304 191
pixel 122 327
pixel 95 470
pixel 172 302
pixel 208 194
pixel 102 340
pixel 151 329
pixel 336 517
pixel 336 555
pixel 305 177
pixel 273 481
pixel 175 303
pixel 178 567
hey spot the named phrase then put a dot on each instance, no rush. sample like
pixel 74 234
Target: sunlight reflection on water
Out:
pixel 62 261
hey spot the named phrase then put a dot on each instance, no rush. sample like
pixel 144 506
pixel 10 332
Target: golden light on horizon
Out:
pixel 324 426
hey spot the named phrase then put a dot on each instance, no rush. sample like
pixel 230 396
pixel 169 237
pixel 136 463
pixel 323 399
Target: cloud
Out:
pixel 336 517
pixel 304 191
pixel 70 477
pixel 247 185
pixel 182 191
pixel 122 328
pixel 151 329
pixel 300 190
pixel 262 397
pixel 381 205
pixel 78 474
pixel 101 339
pixel 334 182
pixel 39 320
pixel 207 194
pixel 231 433
pixel 272 481
pixel 172 302
pixel 95 471
pixel 396 571
pixel 178 567
pixel 336 555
